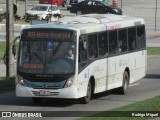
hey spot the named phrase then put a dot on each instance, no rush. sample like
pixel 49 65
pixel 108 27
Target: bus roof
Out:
pixel 93 22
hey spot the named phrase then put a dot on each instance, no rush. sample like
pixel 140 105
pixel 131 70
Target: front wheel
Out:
pixel 87 98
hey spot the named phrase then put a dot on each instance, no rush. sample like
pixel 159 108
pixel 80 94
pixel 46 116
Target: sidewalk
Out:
pixel 2 69
pixel 152 34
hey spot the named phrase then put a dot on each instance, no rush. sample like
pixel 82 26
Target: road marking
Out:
pixel 6 93
pixel 134 84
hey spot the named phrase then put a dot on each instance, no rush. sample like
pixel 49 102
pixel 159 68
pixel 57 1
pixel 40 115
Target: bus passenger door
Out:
pixel 82 68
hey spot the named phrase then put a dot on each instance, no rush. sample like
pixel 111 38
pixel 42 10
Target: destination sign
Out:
pixel 59 34
pixel 33 66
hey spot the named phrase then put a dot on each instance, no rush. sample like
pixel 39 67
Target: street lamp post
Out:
pixel 26 6
pixel 9 39
pixel 156 16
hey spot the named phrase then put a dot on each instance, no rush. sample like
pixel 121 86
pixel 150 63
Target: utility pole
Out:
pixel 156 16
pixel 10 64
pixel 121 4
pixel 26 6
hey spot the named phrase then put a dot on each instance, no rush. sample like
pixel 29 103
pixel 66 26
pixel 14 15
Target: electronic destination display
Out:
pixel 47 33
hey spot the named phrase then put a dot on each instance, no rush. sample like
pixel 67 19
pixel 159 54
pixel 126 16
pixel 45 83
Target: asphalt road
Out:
pixel 153 42
pixel 145 88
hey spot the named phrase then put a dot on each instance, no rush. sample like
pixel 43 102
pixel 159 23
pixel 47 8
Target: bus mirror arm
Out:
pixel 14 46
pixel 14 50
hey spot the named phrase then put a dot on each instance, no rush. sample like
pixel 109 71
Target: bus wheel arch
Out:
pixel 90 91
pixel 125 83
pixel 92 81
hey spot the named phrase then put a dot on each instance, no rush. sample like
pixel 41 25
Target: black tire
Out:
pixel 79 12
pixel 87 98
pixel 124 88
pixel 36 100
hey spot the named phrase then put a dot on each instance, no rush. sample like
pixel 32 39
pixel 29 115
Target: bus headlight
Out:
pixel 21 80
pixel 69 81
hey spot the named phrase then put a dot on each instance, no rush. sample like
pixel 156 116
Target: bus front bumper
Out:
pixel 69 92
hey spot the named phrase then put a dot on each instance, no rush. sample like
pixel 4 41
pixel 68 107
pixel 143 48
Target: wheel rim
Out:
pixel 79 12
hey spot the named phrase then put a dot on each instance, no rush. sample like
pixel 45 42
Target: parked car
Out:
pixel 92 6
pixel 42 10
pixel 53 2
pixel 69 3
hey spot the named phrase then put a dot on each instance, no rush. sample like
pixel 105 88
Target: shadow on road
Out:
pixel 46 102
pixel 153 76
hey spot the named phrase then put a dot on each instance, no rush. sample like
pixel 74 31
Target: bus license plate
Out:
pixel 44 92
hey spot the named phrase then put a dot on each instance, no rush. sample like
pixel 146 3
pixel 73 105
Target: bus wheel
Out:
pixel 36 100
pixel 87 98
pixel 124 88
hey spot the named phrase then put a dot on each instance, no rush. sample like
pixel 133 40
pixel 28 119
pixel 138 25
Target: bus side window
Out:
pixel 103 43
pixel 92 46
pixel 122 43
pixel 113 43
pixel 132 39
pixel 141 37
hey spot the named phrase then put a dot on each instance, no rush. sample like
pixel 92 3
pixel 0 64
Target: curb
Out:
pixel 153 36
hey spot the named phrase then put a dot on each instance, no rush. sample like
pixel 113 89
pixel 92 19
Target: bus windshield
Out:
pixel 46 57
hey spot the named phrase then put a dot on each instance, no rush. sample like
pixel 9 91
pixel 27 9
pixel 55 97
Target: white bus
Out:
pixel 109 52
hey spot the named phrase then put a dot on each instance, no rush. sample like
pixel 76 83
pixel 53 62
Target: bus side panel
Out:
pixel 97 70
pixel 137 63
pixel 116 68
pixel 82 83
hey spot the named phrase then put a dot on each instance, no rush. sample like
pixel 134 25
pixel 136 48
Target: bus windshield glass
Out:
pixel 46 57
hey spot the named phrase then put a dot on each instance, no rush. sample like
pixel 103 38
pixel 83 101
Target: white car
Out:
pixel 42 10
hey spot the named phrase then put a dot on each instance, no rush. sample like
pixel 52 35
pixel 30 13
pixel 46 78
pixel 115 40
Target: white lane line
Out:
pixel 6 93
pixel 134 84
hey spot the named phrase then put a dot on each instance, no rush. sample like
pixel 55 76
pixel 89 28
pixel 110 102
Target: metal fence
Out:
pixel 147 9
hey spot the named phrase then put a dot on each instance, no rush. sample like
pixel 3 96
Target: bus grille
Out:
pixel 36 93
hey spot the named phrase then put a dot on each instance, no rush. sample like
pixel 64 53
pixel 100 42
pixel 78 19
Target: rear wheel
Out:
pixel 79 12
pixel 87 98
pixel 124 88
pixel 125 84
